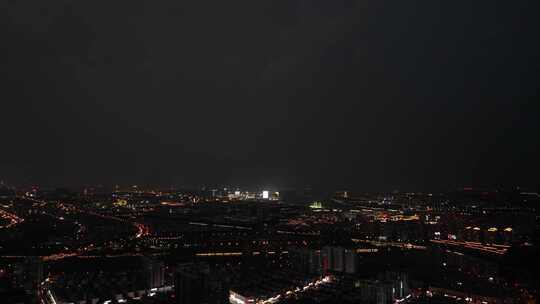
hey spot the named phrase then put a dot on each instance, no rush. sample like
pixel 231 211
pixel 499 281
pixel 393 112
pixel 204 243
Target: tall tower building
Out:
pixel 191 283
pixel 155 271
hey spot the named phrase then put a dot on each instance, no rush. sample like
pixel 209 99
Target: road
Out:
pixel 494 249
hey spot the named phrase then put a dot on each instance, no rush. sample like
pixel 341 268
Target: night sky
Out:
pixel 370 94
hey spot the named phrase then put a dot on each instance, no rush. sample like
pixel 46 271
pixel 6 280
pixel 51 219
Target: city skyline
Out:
pixel 270 152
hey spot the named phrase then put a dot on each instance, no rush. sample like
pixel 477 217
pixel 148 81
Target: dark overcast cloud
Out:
pixel 365 94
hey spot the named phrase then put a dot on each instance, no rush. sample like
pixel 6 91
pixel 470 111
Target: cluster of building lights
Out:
pixel 13 219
